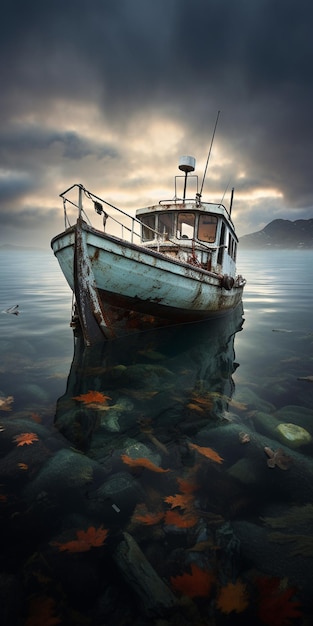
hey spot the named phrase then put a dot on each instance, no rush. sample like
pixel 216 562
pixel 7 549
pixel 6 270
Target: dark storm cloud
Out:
pixel 27 219
pixel 250 58
pixel 33 139
pixel 13 187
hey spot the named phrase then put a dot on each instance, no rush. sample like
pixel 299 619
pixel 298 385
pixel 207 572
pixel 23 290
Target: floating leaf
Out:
pixel 188 519
pixel 142 462
pixel 180 500
pixel 91 538
pixel 204 546
pixel 201 402
pixel 22 466
pixel 240 406
pixel 209 453
pixel 141 515
pixel 195 407
pixel 25 439
pixel 276 607
pixel 92 397
pixel 36 418
pixel 198 583
pixel 5 403
pixel 232 597
pixel 244 437
pixel 278 457
pixel 185 486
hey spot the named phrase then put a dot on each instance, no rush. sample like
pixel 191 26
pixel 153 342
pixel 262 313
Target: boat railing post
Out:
pixel 80 201
pixel 64 209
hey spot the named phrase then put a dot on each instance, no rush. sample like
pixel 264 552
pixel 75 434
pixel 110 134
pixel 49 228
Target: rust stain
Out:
pixel 95 256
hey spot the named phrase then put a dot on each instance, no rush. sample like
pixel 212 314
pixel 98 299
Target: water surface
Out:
pixel 147 481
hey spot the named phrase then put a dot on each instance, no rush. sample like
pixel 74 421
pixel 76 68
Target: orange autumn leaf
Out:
pixel 185 486
pixel 232 597
pixel 240 406
pixel 202 400
pixel 180 500
pixel 201 403
pixel 36 417
pixel 25 439
pixel 209 453
pixel 194 407
pixel 276 607
pixel 92 397
pixel 42 612
pixel 180 520
pixel 198 583
pixel 141 515
pixel 22 466
pixel 142 462
pixel 91 538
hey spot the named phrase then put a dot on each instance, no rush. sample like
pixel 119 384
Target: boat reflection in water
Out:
pixel 169 381
pixel 143 410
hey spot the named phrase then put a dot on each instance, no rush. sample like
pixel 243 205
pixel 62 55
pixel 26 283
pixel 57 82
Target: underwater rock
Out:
pixel 300 415
pixel 155 597
pixel 274 559
pixel 11 599
pixel 247 396
pixel 293 435
pixel 110 418
pixel 243 470
pixel 146 375
pixel 110 421
pixel 63 472
pixel 122 490
pixel 11 428
pixel 266 423
pixel 77 426
pixel 138 450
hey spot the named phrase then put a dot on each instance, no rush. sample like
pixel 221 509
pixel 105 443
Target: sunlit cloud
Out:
pixel 113 99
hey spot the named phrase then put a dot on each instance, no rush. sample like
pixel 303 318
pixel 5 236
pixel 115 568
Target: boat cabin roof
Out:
pixel 219 210
pixel 204 207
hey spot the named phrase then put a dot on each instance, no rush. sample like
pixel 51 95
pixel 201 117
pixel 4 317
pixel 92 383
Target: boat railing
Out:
pixel 126 222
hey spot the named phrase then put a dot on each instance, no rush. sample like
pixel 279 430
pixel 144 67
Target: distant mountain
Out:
pixel 281 234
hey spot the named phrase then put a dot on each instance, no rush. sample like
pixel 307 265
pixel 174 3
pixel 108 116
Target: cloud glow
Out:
pixel 115 97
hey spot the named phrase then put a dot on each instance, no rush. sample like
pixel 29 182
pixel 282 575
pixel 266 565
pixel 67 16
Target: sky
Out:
pixel 111 93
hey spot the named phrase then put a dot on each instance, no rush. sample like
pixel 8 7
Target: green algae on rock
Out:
pixel 293 435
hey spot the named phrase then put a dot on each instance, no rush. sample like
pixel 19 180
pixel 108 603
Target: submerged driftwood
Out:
pixel 155 597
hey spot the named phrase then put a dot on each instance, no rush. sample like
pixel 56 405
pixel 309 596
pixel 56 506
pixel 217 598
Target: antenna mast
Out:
pixel 207 161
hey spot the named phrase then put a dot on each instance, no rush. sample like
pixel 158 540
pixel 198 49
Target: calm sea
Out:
pixel 165 478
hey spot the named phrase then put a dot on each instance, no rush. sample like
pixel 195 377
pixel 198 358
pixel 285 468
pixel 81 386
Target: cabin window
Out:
pixel 148 227
pixel 232 247
pixel 166 225
pixel 185 225
pixel 207 228
pixel 221 245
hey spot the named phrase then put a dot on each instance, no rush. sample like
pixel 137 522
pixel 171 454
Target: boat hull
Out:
pixel 134 283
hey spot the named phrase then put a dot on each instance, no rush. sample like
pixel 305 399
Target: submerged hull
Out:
pixel 122 285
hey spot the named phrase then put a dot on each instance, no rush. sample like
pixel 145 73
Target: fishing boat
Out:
pixel 172 262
